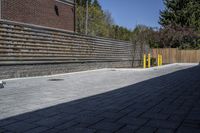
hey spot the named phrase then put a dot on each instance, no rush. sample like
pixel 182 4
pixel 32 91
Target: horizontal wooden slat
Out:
pixel 55 32
pixel 55 62
pixel 22 44
pixel 58 44
pixel 56 37
pixel 13 42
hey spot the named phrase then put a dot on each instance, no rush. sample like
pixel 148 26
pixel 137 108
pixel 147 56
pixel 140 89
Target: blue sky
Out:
pixel 129 13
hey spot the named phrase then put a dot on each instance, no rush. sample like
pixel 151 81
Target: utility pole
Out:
pixel 86 18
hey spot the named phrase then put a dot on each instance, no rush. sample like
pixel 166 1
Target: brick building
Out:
pixel 59 14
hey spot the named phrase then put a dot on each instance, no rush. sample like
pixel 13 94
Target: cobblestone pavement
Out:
pixel 164 100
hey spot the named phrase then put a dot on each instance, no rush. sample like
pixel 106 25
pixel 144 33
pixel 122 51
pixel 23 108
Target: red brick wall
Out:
pixel 39 12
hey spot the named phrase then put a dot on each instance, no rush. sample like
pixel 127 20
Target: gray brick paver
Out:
pixel 128 129
pixel 159 116
pixel 7 122
pixel 165 131
pixel 133 121
pixel 53 121
pixel 163 124
pixel 79 130
pixel 108 126
pixel 38 130
pixel 87 121
pixel 185 129
pixel 146 130
pixel 20 127
pixel 66 125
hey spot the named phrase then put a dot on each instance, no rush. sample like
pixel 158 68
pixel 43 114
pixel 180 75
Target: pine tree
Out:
pixel 185 13
pixel 96 4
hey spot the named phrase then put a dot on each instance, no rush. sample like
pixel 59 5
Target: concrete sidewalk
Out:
pixel 164 99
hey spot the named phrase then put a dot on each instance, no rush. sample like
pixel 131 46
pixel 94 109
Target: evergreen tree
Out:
pixel 181 24
pixel 185 13
pixel 96 4
pixel 83 2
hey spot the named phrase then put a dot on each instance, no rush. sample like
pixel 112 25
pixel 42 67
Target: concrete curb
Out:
pixel 110 69
pixel 156 67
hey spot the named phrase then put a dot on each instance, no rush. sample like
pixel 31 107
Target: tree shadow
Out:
pixel 163 104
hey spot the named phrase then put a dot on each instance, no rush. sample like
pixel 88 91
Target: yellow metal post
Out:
pixel 149 60
pixel 158 60
pixel 161 60
pixel 144 61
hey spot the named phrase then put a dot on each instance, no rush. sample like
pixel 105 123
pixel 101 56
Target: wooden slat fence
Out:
pixel 173 55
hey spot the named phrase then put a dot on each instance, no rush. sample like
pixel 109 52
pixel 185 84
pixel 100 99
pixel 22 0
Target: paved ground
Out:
pixel 160 100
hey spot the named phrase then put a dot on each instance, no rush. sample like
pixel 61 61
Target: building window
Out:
pixel 67 1
pixel 56 10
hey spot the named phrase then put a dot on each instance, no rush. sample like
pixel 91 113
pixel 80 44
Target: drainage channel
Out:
pixel 55 80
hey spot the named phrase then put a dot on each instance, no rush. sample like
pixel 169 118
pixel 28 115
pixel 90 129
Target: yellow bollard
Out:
pixel 161 60
pixel 158 60
pixel 149 60
pixel 144 61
